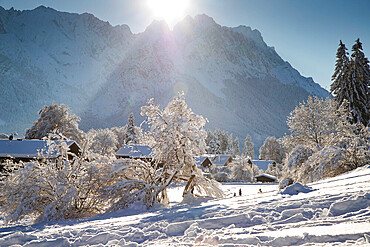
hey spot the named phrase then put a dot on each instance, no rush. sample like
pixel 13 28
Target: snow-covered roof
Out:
pixel 27 149
pixel 200 159
pixel 262 164
pixel 220 160
pixel 266 175
pixel 135 151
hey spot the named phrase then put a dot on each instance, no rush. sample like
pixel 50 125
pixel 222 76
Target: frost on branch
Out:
pixel 179 137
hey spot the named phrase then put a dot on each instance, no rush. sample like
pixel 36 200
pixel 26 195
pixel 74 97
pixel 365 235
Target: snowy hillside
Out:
pixel 103 72
pixel 333 212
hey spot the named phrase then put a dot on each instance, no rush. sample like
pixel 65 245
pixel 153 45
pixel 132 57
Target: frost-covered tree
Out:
pixel 313 122
pixel 272 150
pixel 179 137
pixel 102 141
pixel 248 150
pixel 213 143
pixel 120 133
pixel 55 118
pixel 235 147
pixel 359 104
pixel 242 170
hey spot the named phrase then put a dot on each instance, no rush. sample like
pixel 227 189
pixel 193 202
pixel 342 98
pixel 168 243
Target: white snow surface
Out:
pixel 335 213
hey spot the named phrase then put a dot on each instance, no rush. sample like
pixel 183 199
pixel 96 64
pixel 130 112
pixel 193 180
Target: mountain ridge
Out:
pixel 104 72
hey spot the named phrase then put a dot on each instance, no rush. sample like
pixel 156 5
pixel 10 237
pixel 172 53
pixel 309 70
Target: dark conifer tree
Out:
pixel 131 133
pixel 351 82
pixel 340 87
pixel 360 78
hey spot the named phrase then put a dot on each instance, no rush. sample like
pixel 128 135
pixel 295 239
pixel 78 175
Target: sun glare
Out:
pixel 171 11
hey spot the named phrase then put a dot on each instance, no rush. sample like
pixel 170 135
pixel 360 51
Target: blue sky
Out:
pixel 304 32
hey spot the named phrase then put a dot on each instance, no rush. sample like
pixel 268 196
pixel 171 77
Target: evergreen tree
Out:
pixel 360 80
pixel 131 132
pixel 248 150
pixel 340 87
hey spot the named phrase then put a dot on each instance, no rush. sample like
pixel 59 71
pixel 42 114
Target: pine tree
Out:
pixel 360 81
pixel 340 87
pixel 131 133
pixel 248 150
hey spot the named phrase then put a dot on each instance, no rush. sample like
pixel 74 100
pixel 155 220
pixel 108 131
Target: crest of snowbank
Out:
pixel 296 188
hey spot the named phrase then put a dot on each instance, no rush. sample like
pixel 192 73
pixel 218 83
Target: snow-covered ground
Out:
pixel 335 212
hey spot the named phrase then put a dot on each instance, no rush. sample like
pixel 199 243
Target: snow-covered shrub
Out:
pixel 327 162
pixel 133 181
pixel 102 141
pixel 285 182
pixel 298 156
pixel 55 118
pixel 54 189
pixel 178 136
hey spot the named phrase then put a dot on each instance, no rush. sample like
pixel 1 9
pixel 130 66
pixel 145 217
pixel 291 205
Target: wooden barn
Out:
pixel 265 178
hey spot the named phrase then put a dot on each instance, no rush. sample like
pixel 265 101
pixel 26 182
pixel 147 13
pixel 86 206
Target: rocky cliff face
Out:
pixel 103 73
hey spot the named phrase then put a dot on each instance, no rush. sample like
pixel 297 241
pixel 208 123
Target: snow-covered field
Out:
pixel 336 212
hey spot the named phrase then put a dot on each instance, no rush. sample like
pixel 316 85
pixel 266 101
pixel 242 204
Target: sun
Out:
pixel 170 11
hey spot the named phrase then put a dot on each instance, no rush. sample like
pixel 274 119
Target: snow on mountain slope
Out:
pixel 335 212
pixel 103 72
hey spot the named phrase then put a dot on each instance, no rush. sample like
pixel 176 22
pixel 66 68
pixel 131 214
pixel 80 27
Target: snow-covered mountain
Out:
pixel 103 73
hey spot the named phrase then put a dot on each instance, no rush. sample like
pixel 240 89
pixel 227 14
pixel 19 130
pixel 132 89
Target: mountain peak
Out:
pixel 158 26
pixel 205 20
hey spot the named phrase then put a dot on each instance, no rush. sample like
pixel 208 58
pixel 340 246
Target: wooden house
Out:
pixel 30 149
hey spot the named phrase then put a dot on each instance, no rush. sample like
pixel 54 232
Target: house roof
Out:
pixel 28 149
pixel 135 151
pixel 262 164
pixel 219 160
pixel 267 176
pixel 200 159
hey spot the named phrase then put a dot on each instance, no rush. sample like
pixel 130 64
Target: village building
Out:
pixel 203 161
pixel 30 149
pixel 262 164
pixel 221 160
pixel 265 178
pixel 142 152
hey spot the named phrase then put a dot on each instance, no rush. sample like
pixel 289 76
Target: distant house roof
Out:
pixel 203 161
pixel 220 160
pixel 266 178
pixel 135 151
pixel 29 149
pixel 263 164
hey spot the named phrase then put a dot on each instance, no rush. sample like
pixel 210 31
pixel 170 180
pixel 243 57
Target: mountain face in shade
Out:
pixel 104 72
